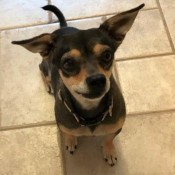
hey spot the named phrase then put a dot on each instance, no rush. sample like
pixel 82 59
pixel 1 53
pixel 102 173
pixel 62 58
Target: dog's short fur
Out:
pixel 77 68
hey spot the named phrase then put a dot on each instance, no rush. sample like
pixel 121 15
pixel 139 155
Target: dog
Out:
pixel 77 67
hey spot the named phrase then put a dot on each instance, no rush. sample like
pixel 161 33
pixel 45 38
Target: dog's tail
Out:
pixel 58 13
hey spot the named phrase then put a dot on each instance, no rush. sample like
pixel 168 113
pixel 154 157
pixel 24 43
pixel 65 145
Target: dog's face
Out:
pixel 84 61
pixel 84 58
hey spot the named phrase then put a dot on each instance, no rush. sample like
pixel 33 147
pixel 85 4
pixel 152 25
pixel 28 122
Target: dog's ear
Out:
pixel 118 25
pixel 39 44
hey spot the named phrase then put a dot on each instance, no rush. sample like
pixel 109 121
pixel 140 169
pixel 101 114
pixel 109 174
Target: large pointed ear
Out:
pixel 39 44
pixel 118 25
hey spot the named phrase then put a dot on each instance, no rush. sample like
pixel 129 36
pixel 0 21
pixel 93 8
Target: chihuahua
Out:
pixel 77 67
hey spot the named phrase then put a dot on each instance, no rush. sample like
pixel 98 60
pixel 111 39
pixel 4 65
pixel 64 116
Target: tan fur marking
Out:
pixel 99 48
pixel 102 129
pixel 70 142
pixel 107 73
pixel 111 128
pixel 109 152
pixel 82 131
pixel 75 53
pixel 74 80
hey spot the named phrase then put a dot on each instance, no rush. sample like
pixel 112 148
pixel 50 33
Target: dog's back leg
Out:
pixel 46 75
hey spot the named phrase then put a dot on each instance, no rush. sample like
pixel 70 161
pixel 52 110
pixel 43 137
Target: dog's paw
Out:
pixel 109 153
pixel 71 143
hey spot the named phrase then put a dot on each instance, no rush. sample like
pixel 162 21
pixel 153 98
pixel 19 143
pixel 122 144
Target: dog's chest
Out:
pixel 99 130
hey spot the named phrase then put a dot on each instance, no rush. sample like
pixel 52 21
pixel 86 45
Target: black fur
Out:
pixel 58 13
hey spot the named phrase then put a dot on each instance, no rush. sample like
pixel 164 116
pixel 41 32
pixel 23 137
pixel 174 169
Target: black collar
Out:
pixel 91 121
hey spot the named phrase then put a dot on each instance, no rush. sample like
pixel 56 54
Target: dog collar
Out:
pixel 88 122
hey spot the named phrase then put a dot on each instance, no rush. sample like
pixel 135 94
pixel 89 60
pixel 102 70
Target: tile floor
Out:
pixel 29 141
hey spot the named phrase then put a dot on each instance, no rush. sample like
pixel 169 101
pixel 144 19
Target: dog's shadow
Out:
pixel 88 159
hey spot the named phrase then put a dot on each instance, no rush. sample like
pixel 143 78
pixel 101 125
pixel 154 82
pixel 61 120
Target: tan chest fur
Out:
pixel 102 129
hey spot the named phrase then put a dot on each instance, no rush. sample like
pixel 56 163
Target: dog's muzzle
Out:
pixel 96 85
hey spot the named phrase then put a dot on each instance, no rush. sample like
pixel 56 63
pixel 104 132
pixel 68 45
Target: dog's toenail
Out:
pixel 71 152
pixel 112 164
pixel 75 146
pixel 115 158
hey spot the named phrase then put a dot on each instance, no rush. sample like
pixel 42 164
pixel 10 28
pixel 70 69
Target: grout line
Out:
pixel 25 26
pixel 1 83
pixel 49 13
pixel 165 25
pixel 143 57
pixel 61 145
pixel 59 134
pixel 0 114
pixel 134 114
pixel 7 128
pixel 151 8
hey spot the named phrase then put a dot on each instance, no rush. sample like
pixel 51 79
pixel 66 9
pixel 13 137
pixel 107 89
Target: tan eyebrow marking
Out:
pixel 99 48
pixel 75 53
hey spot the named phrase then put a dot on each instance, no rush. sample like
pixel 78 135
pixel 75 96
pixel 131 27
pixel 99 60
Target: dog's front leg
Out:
pixel 70 142
pixel 109 151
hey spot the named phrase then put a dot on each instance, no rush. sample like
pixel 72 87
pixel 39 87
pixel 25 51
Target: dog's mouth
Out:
pixel 91 95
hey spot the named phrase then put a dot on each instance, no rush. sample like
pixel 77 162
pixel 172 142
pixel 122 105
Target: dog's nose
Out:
pixel 96 81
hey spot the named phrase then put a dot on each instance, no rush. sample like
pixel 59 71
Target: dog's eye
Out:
pixel 69 64
pixel 106 56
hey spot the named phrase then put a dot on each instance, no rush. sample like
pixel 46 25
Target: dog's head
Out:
pixel 84 58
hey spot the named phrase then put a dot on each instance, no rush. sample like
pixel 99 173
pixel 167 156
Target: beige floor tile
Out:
pixel 168 7
pixel 143 147
pixel 23 97
pixel 22 13
pixel 148 84
pixel 30 151
pixel 146 37
pixel 88 8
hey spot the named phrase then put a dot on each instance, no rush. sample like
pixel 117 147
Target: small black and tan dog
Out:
pixel 77 67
